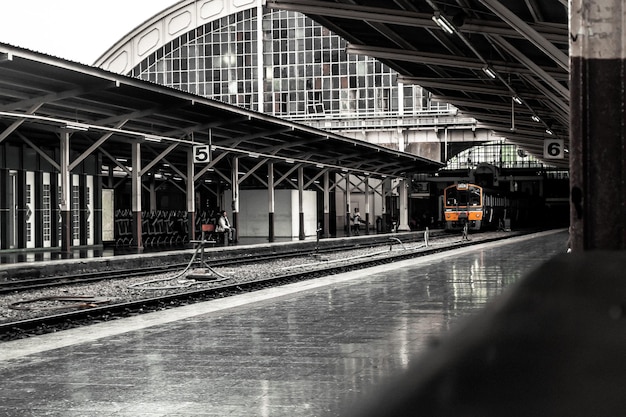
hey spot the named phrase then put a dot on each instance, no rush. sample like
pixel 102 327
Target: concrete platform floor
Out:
pixel 309 349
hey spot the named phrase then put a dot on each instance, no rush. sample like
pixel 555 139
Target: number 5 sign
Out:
pixel 553 149
pixel 202 154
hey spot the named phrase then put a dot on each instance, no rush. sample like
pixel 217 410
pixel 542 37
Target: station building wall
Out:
pixel 254 209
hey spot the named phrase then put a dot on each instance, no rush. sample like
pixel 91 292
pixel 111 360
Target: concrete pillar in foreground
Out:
pixel 597 133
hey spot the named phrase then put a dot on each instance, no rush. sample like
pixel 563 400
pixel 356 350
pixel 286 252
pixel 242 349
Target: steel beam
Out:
pixel 524 29
pixel 444 60
pixel 408 18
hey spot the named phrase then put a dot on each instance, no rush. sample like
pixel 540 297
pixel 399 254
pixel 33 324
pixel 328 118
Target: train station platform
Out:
pixel 315 348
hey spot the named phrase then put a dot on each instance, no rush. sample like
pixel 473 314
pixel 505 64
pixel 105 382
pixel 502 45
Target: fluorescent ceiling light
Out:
pixel 79 127
pixel 152 138
pixel 443 23
pixel 490 73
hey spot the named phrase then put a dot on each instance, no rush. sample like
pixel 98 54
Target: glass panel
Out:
pixel 219 60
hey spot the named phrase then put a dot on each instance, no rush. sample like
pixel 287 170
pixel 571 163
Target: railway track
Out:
pixel 83 312
pixel 27 284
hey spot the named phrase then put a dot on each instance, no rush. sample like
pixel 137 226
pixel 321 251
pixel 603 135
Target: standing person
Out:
pixel 223 226
pixel 356 221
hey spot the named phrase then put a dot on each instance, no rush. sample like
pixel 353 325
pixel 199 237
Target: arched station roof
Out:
pixel 166 26
pixel 479 55
pixel 503 62
pixel 41 94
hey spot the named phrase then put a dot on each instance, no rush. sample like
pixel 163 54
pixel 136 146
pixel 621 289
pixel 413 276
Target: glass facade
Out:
pixel 499 154
pixel 302 73
pixel 217 60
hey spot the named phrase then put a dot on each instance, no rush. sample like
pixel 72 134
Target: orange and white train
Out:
pixel 471 204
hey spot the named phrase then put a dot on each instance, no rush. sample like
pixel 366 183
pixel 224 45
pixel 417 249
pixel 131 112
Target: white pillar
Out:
pixel 136 194
pixel 191 195
pixel 326 204
pixel 66 195
pixel 403 192
pixel 235 202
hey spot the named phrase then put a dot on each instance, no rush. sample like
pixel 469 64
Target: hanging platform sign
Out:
pixel 202 154
pixel 554 149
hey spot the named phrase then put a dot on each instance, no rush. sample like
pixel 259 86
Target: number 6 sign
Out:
pixel 553 149
pixel 202 154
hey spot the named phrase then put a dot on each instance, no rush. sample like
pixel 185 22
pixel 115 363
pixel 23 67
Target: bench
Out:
pixel 209 232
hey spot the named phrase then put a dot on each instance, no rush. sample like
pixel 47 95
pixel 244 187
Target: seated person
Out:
pixel 223 226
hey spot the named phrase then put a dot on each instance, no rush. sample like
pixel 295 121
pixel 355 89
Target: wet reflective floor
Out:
pixel 307 349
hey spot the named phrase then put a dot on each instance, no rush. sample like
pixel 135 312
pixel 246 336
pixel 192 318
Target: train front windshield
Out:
pixel 463 196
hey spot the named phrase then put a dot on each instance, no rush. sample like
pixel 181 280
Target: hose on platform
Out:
pixel 183 284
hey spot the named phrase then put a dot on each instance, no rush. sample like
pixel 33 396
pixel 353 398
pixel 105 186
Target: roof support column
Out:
pixel 301 234
pixel 326 231
pixel 385 191
pixel 191 195
pixel 347 205
pixel 65 203
pixel 403 192
pixel 271 200
pixel 235 202
pixel 367 205
pixel 153 195
pixel 598 134
pixel 135 179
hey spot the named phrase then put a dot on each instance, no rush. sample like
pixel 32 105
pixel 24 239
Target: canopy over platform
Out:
pixel 40 94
